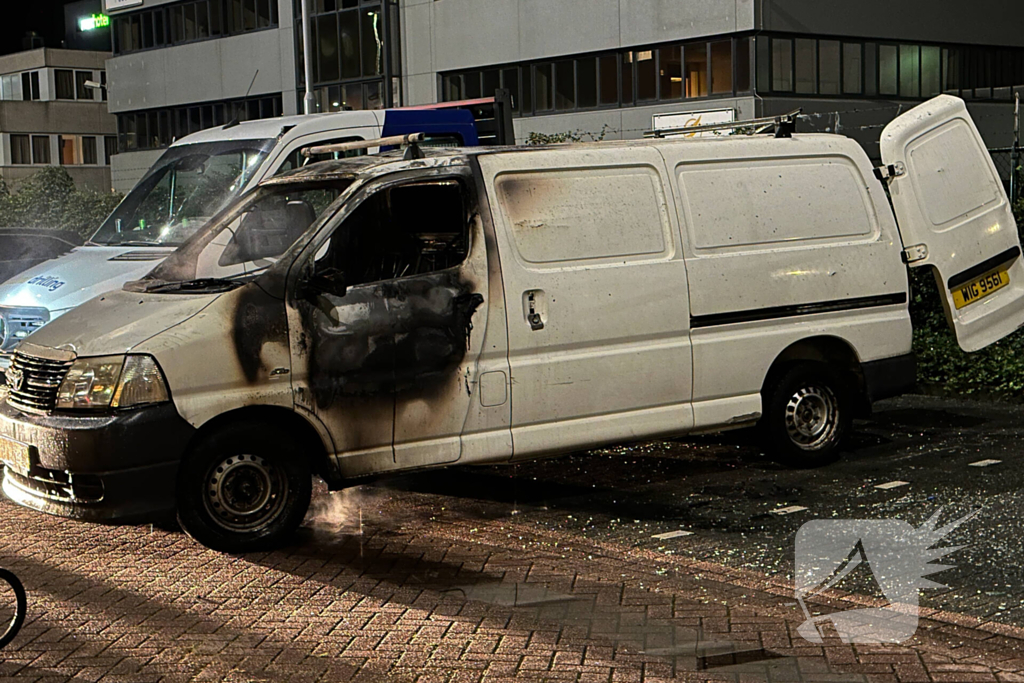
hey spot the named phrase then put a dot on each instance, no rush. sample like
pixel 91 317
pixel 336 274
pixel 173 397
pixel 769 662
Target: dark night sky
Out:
pixel 46 17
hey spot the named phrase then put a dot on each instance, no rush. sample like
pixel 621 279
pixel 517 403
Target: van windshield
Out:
pixel 246 239
pixel 186 187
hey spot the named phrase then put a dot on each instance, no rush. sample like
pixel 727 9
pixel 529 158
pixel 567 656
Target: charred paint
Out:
pixel 388 337
pixel 259 319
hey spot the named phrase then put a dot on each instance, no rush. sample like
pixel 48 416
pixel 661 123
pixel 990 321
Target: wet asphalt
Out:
pixel 723 490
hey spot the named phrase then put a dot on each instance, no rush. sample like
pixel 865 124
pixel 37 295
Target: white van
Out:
pixel 196 177
pixel 493 305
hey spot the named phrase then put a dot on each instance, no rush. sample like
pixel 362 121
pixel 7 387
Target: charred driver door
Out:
pixel 955 217
pixel 391 309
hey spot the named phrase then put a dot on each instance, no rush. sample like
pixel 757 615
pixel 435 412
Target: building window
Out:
pixel 109 148
pixel 888 70
pixel 189 21
pixel 782 65
pixel 805 66
pixel 89 150
pixel 661 74
pixel 65 82
pixel 853 65
pixel 155 129
pixel 40 149
pixel 82 91
pixel 349 56
pixel 829 67
pixel 66 150
pixel 30 85
pixel 910 71
pixel 21 152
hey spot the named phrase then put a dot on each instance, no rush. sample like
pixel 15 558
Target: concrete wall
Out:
pixel 982 22
pixel 198 72
pixel 42 57
pixel 442 35
pixel 207 70
pixel 60 117
pixel 127 168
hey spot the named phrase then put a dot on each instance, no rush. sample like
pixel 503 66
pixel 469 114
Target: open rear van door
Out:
pixel 954 215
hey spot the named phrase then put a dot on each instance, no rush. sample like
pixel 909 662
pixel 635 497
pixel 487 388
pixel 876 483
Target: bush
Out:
pixel 49 199
pixel 535 138
pixel 999 369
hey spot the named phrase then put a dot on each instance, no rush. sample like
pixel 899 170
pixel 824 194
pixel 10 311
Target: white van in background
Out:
pixel 196 177
pixel 549 300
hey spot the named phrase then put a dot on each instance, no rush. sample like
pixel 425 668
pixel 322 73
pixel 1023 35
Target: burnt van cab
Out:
pixel 405 311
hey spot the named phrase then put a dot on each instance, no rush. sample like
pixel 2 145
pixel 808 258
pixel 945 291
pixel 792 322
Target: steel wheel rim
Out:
pixel 244 492
pixel 812 417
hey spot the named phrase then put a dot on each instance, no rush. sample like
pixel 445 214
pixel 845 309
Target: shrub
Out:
pixel 49 199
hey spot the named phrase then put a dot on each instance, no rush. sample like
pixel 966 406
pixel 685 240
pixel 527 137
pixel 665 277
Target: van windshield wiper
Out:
pixel 137 243
pixel 208 284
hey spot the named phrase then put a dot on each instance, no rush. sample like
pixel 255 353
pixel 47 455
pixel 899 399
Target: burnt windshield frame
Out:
pixel 183 264
pixel 174 159
pixel 320 232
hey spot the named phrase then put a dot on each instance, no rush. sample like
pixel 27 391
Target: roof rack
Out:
pixel 785 126
pixel 410 141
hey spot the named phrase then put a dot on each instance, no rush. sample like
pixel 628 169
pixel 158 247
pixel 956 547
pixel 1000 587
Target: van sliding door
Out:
pixel 595 287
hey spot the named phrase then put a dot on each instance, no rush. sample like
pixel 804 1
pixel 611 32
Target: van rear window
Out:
pixel 746 203
pixel 585 214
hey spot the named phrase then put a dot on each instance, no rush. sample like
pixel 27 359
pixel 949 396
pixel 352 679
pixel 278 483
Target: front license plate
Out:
pixel 980 288
pixel 16 455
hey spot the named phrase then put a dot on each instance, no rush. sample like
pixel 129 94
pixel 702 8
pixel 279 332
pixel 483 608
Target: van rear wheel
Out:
pixel 243 488
pixel 806 415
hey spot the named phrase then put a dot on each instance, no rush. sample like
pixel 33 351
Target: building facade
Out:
pixel 595 67
pixel 53 111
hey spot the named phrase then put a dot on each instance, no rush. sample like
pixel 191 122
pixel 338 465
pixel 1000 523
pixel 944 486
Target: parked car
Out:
pixel 488 305
pixel 196 177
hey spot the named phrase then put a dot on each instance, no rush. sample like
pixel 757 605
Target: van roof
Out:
pixel 758 144
pixel 263 129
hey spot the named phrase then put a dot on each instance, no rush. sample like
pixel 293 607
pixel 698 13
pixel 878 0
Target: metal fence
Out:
pixel 1006 160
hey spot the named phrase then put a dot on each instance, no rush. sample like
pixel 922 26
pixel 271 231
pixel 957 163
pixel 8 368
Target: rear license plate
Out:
pixel 977 290
pixel 16 455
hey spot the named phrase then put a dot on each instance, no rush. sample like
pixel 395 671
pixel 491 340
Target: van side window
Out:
pixel 401 231
pixel 585 214
pixel 297 160
pixel 744 204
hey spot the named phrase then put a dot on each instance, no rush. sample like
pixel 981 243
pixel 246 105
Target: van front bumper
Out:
pixel 121 466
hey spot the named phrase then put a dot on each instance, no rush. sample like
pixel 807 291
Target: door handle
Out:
pixel 535 308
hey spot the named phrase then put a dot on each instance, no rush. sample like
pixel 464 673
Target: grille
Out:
pixel 140 256
pixel 34 382
pixel 16 324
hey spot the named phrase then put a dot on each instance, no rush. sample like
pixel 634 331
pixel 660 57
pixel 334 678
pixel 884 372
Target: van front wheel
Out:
pixel 806 415
pixel 243 489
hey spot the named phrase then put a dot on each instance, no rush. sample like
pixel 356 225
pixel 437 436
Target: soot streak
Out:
pixel 259 319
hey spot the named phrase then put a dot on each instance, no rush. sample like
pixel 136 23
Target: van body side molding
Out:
pixel 963 277
pixel 733 317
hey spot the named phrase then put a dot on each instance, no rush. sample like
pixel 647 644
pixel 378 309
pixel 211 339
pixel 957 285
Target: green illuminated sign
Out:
pixel 94 22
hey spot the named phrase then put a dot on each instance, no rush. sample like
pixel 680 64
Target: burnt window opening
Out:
pixel 401 231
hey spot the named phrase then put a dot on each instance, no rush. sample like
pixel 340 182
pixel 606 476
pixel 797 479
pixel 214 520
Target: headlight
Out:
pixel 112 382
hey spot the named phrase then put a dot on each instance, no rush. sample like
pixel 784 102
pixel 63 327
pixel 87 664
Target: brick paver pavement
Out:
pixel 397 586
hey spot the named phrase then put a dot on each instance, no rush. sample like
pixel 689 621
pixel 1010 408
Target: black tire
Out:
pixel 20 610
pixel 806 415
pixel 243 488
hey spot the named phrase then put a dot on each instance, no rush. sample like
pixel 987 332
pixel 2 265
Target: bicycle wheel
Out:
pixel 21 606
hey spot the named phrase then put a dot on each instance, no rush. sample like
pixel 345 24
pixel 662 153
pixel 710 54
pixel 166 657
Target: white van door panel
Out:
pixel 954 216
pixel 595 288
